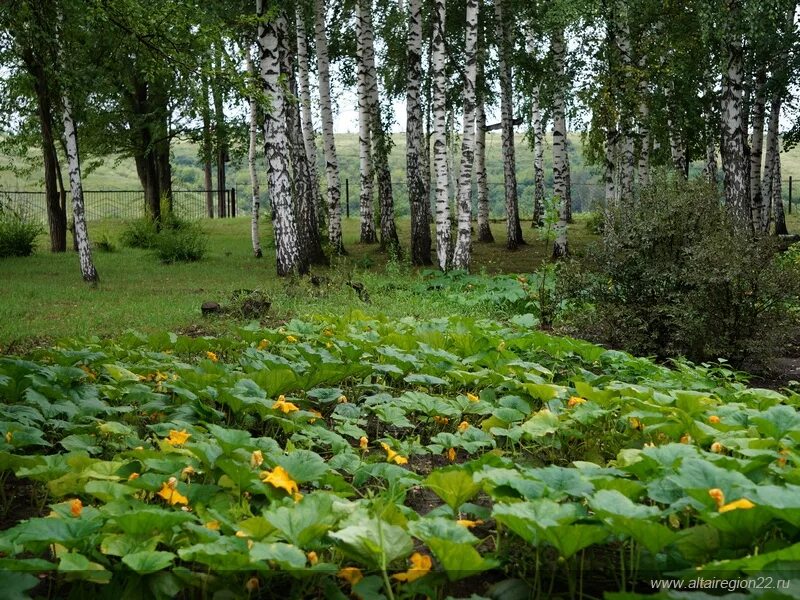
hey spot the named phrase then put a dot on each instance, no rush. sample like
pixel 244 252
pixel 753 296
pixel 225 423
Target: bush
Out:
pixel 140 233
pixel 17 235
pixel 672 277
pixel 104 244
pixel 186 243
pixel 176 240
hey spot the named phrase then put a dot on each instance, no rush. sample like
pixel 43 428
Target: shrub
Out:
pixel 185 243
pixel 140 233
pixel 17 235
pixel 104 244
pixel 673 277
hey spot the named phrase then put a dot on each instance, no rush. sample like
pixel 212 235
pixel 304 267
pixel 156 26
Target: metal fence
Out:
pixel 191 204
pixel 117 204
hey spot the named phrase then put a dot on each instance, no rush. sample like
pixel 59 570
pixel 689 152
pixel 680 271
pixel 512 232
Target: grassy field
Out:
pixel 44 298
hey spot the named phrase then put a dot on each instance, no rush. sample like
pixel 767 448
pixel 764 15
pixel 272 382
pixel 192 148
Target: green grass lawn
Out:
pixel 43 298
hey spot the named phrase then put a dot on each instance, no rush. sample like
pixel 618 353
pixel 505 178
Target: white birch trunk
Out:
pixel 610 167
pixel 276 148
pixel 331 162
pixel 513 228
pixel 380 146
pixel 734 162
pixel 626 130
pixel 463 249
pixel 756 149
pixel 777 192
pixel 765 210
pixel 81 232
pixel 417 189
pixel 251 156
pixel 88 270
pixel 307 123
pixel 538 160
pixel 368 233
pixel 560 166
pixel 439 100
pixel 484 229
pixel 643 168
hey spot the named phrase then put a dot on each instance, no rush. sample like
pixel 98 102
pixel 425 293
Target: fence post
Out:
pixel 233 202
pixel 790 194
pixel 347 196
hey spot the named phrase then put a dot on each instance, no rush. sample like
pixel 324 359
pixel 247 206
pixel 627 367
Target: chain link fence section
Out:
pixel 111 204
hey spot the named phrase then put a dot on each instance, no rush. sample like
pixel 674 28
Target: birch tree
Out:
pixel 538 160
pixel 756 149
pixel 307 123
pixel 513 227
pixel 251 154
pixel 379 137
pixel 331 162
pixel 439 108
pixel 560 166
pixel 88 271
pixel 484 230
pixel 417 187
pixel 368 233
pixel 734 162
pixel 463 247
pixel 276 148
pixel 303 186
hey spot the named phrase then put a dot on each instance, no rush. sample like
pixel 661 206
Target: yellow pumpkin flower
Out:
pixel 351 575
pixel 212 525
pixel 170 494
pixel 451 454
pixel 282 405
pixel 252 585
pixel 469 524
pixel 501 346
pixel 441 420
pixel 280 479
pixel 342 399
pixel 9 437
pixel 463 426
pixel 133 476
pixel 420 566
pixel 392 456
pixel 635 423
pixel 472 397
pixel 327 333
pixel 574 401
pixel 176 438
pixel 75 507
pixel 262 345
pixel 256 458
pixel 187 472
pixel 312 558
pixel 291 339
pixel 242 534
pixel 317 415
pixel 717 495
pixel 717 448
pixel 741 503
pixel 686 439
pixel 363 442
pixel 212 356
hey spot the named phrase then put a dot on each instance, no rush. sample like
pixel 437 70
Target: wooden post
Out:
pixel 233 202
pixel 790 194
pixel 347 196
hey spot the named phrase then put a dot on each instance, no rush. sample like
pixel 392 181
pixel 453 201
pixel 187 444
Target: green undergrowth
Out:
pixel 386 458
